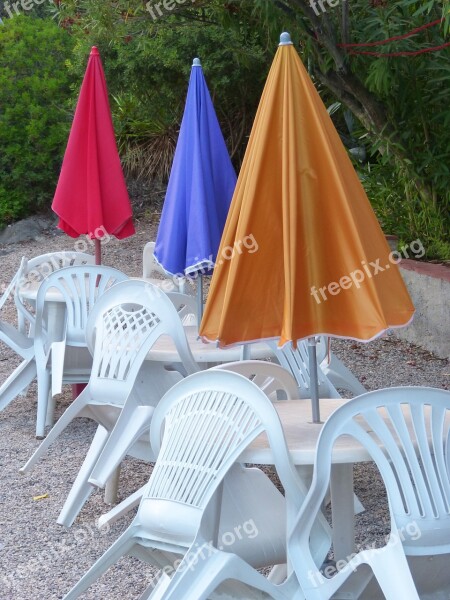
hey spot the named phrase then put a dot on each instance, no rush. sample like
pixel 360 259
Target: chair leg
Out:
pixel 121 509
pixel 19 380
pixel 392 572
pixel 57 359
pixel 81 489
pixel 157 589
pixel 111 487
pixel 134 421
pixel 43 394
pixel 120 548
pixel 74 410
pixel 342 377
pixel 50 416
pixel 199 580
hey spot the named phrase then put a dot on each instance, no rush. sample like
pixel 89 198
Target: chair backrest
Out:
pixel 271 378
pixel 79 287
pixel 406 431
pixel 9 290
pixel 34 270
pixel 296 361
pixel 186 306
pixel 122 327
pixel 150 265
pixel 323 348
pixel 198 430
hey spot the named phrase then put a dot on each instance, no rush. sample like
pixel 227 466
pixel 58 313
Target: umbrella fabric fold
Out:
pixel 200 187
pixel 322 264
pixel 91 197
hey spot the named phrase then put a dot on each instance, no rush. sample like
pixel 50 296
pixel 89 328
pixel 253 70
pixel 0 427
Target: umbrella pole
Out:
pixel 98 251
pixel 245 352
pixel 199 297
pixel 313 380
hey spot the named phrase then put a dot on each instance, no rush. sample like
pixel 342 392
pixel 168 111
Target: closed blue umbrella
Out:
pixel 201 184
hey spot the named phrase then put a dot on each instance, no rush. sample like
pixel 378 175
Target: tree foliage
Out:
pixel 34 123
pixel 147 66
pixel 400 103
pixel 392 106
pixel 400 93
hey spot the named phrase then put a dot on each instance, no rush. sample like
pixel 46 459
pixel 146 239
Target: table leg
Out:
pixel 49 419
pixel 111 487
pixel 342 508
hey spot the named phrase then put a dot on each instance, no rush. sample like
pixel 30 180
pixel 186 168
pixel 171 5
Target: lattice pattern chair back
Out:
pixel 296 361
pixel 406 432
pixel 198 431
pixel 79 287
pixel 124 325
pixel 120 341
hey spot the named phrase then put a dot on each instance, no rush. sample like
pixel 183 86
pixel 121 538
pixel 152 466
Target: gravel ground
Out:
pixel 40 559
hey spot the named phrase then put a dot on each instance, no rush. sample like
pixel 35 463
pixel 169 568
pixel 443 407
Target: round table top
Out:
pixel 29 292
pixel 203 352
pixel 301 435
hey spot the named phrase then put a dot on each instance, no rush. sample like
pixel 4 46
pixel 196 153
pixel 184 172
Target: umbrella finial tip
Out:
pixel 196 62
pixel 285 39
pixel 94 50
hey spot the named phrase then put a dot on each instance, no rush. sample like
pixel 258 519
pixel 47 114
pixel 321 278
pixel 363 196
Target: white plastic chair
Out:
pixel 16 339
pixel 121 394
pixel 414 463
pixel 296 361
pixel 32 273
pixel 62 356
pixel 20 339
pixel 271 378
pixel 197 495
pixel 186 306
pixel 150 266
pixel 334 369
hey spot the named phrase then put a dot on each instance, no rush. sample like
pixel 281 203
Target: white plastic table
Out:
pixel 55 308
pixel 204 353
pixel 301 436
pixel 164 351
pixel 54 317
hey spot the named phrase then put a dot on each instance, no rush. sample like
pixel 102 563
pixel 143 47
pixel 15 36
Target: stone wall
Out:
pixel 429 288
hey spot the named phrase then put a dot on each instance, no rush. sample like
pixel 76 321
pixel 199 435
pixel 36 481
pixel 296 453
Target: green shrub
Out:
pixel 34 88
pixel 147 66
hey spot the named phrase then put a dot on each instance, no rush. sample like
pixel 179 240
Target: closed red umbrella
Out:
pixel 91 197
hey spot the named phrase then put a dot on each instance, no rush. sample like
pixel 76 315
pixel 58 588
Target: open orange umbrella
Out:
pixel 318 263
pixel 91 197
